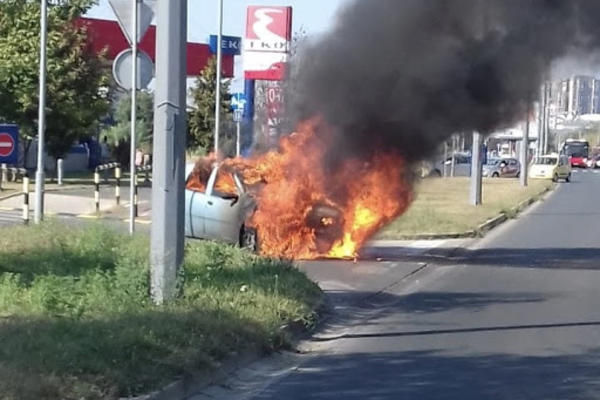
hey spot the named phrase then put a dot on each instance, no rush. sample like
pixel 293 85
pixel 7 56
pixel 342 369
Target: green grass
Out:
pixel 76 321
pixel 442 206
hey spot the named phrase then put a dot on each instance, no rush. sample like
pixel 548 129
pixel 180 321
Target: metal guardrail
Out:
pixel 146 169
pixel 107 167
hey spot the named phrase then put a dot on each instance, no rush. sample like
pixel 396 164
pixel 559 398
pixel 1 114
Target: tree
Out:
pixel 201 120
pixel 119 135
pixel 75 78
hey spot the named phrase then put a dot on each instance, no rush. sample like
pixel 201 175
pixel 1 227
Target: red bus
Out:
pixel 578 151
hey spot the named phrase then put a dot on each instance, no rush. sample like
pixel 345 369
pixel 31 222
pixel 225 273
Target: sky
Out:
pixel 313 16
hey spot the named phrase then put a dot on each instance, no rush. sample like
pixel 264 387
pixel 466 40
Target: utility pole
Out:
pixel 525 150
pixel 168 196
pixel 134 84
pixel 540 122
pixel 219 73
pixel 39 175
pixel 476 169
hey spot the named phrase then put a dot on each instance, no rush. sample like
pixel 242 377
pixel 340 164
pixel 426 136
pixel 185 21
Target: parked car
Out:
pixel 552 166
pixel 217 207
pixel 462 165
pixel 502 167
pixel 594 161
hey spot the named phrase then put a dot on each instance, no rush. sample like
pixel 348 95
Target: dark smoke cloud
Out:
pixel 408 73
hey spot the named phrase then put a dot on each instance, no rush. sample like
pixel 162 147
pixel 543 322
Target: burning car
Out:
pixel 220 206
pixel 217 206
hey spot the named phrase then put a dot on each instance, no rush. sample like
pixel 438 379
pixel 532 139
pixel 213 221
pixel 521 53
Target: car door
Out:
pixel 513 167
pixel 223 213
pixel 463 166
pixel 195 204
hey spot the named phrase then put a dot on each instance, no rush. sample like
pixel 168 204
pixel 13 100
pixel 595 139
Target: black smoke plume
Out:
pixel 406 74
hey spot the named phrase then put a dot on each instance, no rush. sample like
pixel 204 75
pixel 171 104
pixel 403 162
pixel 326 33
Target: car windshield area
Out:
pixel 225 185
pixel 546 161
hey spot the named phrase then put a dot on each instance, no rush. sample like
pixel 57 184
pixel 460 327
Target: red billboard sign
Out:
pixel 268 37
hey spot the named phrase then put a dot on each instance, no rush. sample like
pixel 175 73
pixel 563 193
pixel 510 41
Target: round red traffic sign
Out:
pixel 7 145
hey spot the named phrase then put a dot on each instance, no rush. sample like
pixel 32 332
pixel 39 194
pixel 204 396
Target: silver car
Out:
pixel 502 167
pixel 216 213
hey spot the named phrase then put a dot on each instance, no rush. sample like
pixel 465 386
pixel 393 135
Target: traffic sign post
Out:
pixel 9 144
pixel 135 17
pixel 126 16
pixel 238 103
pixel 230 45
pixel 122 69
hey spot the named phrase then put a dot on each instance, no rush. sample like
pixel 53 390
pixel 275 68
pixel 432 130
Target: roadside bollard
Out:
pixel 59 171
pixel 3 176
pixel 135 195
pixel 118 186
pixel 97 191
pixel 26 199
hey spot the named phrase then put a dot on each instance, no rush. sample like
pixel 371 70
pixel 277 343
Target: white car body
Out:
pixel 216 216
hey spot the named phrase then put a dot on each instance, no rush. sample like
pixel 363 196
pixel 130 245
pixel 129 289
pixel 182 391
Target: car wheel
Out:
pixel 555 178
pixel 436 173
pixel 568 178
pixel 249 239
pixel 518 175
pixel 495 175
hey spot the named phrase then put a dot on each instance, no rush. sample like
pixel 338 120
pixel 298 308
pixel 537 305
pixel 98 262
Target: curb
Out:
pixel 484 228
pixel 193 384
pixel 93 216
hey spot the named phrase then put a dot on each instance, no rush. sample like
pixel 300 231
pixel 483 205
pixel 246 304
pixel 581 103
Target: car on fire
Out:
pixel 217 206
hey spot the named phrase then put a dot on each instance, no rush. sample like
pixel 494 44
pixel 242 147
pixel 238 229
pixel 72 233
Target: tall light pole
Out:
pixel 525 149
pixel 476 169
pixel 168 195
pixel 219 73
pixel 39 175
pixel 134 83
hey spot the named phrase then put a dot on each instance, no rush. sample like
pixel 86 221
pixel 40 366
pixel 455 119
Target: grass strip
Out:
pixel 442 206
pixel 76 321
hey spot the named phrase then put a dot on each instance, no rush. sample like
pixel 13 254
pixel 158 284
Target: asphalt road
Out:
pixel 516 317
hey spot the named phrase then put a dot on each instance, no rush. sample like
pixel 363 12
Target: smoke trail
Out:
pixel 406 74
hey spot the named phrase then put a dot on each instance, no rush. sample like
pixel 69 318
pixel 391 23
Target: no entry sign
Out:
pixel 9 144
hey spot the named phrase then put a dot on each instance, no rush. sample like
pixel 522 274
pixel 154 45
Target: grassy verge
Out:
pixel 76 321
pixel 442 206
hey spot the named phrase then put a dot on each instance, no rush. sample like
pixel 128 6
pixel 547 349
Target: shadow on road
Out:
pixel 439 375
pixel 556 258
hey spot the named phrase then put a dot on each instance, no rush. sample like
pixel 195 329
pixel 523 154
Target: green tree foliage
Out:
pixel 118 136
pixel 75 79
pixel 201 123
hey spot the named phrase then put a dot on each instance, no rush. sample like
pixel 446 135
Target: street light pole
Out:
pixel 39 175
pixel 134 74
pixel 476 172
pixel 168 195
pixel 218 89
pixel 525 150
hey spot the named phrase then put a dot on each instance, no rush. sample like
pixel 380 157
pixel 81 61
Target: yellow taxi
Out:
pixel 551 166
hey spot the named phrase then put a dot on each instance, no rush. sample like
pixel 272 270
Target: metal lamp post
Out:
pixel 39 175
pixel 218 89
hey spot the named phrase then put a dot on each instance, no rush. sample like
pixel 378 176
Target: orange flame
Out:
pixel 307 210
